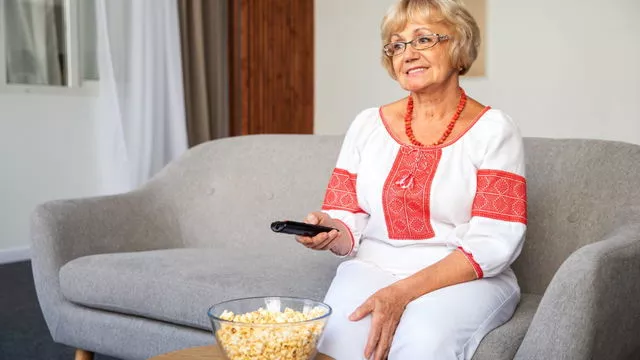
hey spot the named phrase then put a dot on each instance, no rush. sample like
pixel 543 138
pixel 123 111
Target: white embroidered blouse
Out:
pixel 403 203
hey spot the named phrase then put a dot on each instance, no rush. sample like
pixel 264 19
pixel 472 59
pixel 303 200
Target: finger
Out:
pixel 319 240
pixel 304 240
pixel 378 355
pixel 373 339
pixel 331 237
pixel 386 353
pixel 384 343
pixel 312 218
pixel 323 218
pixel 362 311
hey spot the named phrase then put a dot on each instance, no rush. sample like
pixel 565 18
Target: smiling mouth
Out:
pixel 416 70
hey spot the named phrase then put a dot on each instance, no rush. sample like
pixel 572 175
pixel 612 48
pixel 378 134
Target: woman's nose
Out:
pixel 410 54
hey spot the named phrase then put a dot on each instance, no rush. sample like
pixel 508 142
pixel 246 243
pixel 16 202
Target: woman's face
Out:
pixel 419 69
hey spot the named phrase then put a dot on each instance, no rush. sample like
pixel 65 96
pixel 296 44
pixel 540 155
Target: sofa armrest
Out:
pixel 590 309
pixel 67 229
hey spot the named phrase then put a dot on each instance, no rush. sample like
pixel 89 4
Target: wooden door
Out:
pixel 271 66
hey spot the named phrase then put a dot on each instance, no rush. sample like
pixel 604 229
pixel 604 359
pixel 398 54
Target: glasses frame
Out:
pixel 438 37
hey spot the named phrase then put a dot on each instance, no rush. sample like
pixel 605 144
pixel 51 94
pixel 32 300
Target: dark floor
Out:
pixel 23 332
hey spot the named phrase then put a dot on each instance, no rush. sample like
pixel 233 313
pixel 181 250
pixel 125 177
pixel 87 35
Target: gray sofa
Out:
pixel 132 275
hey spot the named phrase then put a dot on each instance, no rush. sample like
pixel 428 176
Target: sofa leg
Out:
pixel 83 355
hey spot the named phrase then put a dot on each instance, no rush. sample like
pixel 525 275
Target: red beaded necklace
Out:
pixel 409 116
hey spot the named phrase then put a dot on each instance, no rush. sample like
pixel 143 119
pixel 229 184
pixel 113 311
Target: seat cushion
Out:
pixel 179 285
pixel 503 342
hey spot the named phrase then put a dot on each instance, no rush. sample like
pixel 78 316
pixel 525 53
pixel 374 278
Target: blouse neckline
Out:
pixel 447 143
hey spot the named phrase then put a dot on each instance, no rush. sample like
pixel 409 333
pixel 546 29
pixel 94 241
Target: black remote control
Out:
pixel 299 228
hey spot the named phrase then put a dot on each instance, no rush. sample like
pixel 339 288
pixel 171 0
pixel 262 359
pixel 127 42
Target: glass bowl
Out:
pixel 269 327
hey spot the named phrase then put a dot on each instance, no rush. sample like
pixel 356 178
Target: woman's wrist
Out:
pixel 405 291
pixel 342 245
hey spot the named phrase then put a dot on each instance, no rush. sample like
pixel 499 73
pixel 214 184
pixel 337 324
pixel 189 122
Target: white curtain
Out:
pixel 35 42
pixel 141 116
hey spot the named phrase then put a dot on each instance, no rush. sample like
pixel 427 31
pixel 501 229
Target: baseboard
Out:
pixel 15 254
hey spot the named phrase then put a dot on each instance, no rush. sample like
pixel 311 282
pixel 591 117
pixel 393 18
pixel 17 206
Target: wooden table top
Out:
pixel 211 352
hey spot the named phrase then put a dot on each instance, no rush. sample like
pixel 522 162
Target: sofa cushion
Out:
pixel 179 285
pixel 504 341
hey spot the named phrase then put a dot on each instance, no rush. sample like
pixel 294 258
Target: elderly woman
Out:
pixel 429 198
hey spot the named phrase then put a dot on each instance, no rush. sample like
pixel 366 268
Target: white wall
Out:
pixel 46 153
pixel 565 68
pixel 568 68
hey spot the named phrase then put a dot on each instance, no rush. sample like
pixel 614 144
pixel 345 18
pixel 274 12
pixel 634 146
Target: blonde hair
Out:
pixel 466 34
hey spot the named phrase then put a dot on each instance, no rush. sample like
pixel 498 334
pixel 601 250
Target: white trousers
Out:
pixel 445 324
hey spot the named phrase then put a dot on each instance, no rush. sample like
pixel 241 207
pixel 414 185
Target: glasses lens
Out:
pixel 387 50
pixel 424 42
pixel 395 48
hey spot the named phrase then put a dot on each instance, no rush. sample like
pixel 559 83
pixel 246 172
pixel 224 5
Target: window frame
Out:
pixel 76 84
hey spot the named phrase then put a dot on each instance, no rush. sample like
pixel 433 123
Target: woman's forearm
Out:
pixel 453 269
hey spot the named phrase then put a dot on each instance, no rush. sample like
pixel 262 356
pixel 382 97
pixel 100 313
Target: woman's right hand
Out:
pixel 322 241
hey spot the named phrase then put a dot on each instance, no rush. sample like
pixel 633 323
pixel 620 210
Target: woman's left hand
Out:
pixel 386 307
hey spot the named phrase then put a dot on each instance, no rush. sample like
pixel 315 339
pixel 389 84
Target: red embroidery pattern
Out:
pixel 341 192
pixel 472 261
pixel 501 195
pixel 406 193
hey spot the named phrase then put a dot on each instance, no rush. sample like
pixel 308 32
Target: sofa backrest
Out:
pixel 579 191
pixel 225 193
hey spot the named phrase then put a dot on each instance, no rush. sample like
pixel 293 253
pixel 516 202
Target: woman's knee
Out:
pixel 345 339
pixel 424 346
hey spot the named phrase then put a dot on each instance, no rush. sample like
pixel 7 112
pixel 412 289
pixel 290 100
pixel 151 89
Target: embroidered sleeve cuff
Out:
pixel 501 195
pixel 341 192
pixel 472 261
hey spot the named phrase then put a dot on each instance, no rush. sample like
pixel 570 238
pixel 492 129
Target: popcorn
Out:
pixel 295 339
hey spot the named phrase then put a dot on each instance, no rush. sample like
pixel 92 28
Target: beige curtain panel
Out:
pixel 203 34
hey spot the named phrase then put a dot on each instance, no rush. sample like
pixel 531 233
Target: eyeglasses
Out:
pixel 420 43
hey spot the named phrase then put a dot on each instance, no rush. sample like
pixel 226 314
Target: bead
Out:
pixel 409 115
